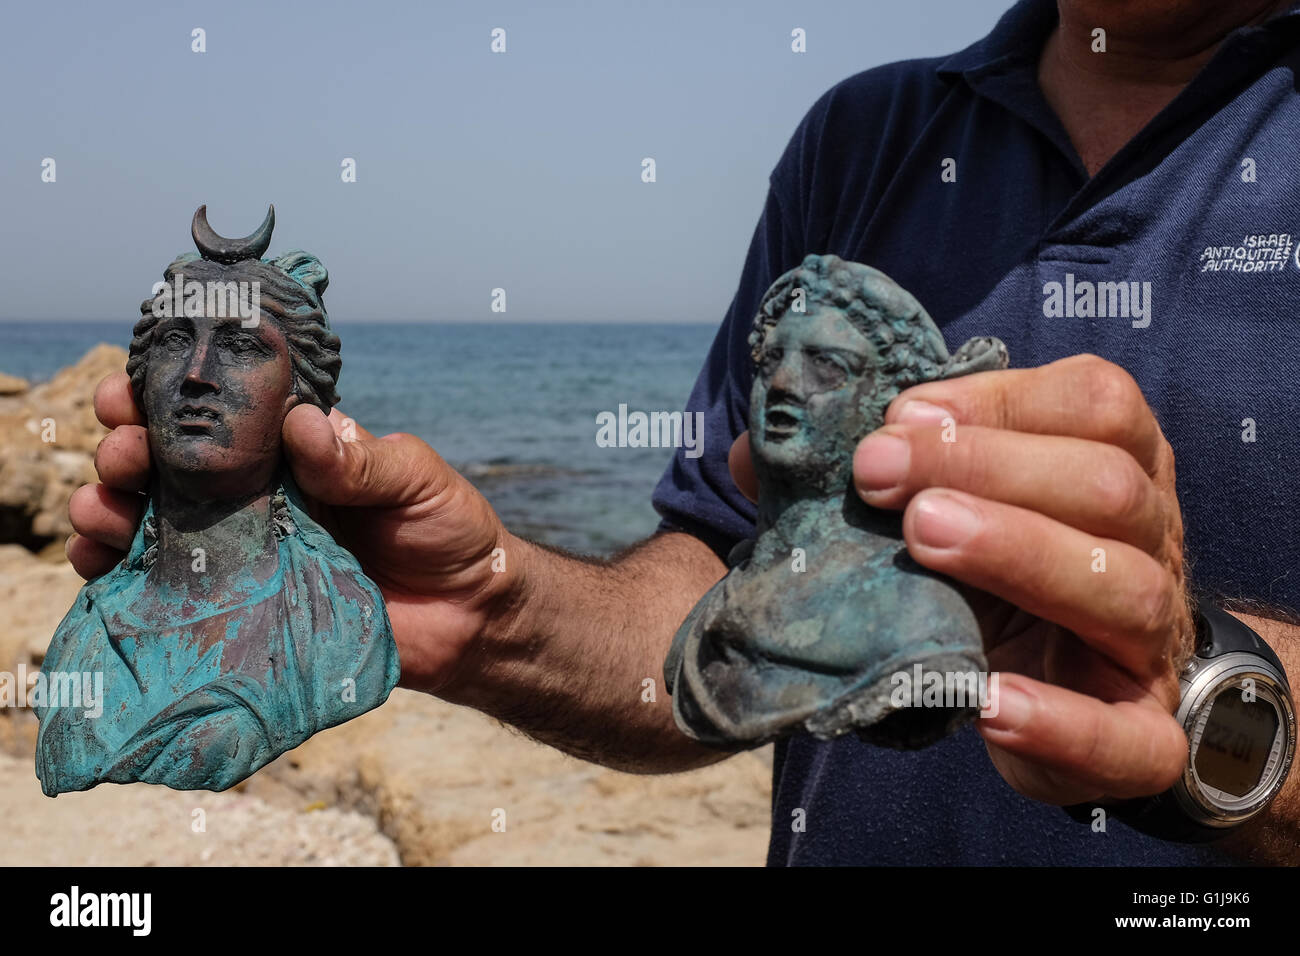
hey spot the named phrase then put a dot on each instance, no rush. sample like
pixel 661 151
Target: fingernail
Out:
pixel 885 459
pixel 1009 709
pixel 922 413
pixel 944 522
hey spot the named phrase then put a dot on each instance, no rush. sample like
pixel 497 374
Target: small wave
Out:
pixel 493 469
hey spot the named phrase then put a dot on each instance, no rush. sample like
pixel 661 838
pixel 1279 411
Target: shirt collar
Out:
pixel 1020 34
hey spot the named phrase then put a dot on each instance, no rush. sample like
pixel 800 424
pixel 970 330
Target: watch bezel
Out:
pixel 1204 681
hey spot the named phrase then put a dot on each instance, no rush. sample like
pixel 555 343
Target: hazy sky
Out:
pixel 475 170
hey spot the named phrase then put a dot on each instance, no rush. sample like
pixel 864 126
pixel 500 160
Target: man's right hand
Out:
pixel 421 531
pixel 559 646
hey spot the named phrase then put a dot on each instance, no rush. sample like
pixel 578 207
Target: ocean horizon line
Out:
pixel 666 323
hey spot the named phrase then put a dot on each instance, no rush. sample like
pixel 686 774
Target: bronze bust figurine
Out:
pixel 235 627
pixel 819 614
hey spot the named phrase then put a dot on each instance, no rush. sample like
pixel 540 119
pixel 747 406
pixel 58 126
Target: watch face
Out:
pixel 1241 733
pixel 1236 742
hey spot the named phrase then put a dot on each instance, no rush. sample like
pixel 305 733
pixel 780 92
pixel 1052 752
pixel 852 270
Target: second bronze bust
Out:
pixel 824 616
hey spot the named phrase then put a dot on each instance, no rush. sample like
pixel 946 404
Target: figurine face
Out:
pixel 215 397
pixel 812 397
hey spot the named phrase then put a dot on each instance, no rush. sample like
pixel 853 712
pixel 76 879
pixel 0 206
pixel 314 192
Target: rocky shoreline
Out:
pixel 416 782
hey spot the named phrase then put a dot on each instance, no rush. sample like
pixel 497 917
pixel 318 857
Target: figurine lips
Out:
pixel 197 418
pixel 781 421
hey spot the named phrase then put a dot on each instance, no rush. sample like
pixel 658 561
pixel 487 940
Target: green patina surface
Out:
pixel 236 627
pixel 821 611
pixel 203 699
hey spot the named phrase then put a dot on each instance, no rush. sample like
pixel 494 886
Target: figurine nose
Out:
pixel 788 377
pixel 200 375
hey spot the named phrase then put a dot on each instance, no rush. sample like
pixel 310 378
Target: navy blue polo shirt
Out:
pixel 1199 217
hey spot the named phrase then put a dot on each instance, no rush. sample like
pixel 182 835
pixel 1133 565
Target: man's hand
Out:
pixel 559 646
pixel 420 530
pixel 1025 484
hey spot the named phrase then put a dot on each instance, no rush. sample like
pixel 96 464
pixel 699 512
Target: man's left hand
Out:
pixel 1051 490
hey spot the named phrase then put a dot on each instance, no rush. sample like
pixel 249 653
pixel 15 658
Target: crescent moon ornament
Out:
pixel 220 249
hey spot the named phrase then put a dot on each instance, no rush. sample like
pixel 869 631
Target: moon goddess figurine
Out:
pixel 824 616
pixel 235 627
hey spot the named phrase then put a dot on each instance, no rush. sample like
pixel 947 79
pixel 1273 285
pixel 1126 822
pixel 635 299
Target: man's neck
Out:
pixel 1105 98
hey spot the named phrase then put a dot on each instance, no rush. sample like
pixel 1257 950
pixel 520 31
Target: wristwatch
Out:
pixel 1239 717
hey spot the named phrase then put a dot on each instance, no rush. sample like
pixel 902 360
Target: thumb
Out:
pixel 391 471
pixel 742 467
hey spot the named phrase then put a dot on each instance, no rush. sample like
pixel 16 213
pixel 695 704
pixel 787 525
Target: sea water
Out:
pixel 514 406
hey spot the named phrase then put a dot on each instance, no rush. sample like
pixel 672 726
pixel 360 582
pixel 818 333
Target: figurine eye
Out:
pixel 175 339
pixel 827 369
pixel 241 343
pixel 825 361
pixel 771 360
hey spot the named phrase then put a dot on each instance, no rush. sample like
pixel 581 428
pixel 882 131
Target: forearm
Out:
pixel 1274 836
pixel 569 664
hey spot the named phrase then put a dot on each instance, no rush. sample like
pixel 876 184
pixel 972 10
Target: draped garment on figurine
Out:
pixel 310 648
